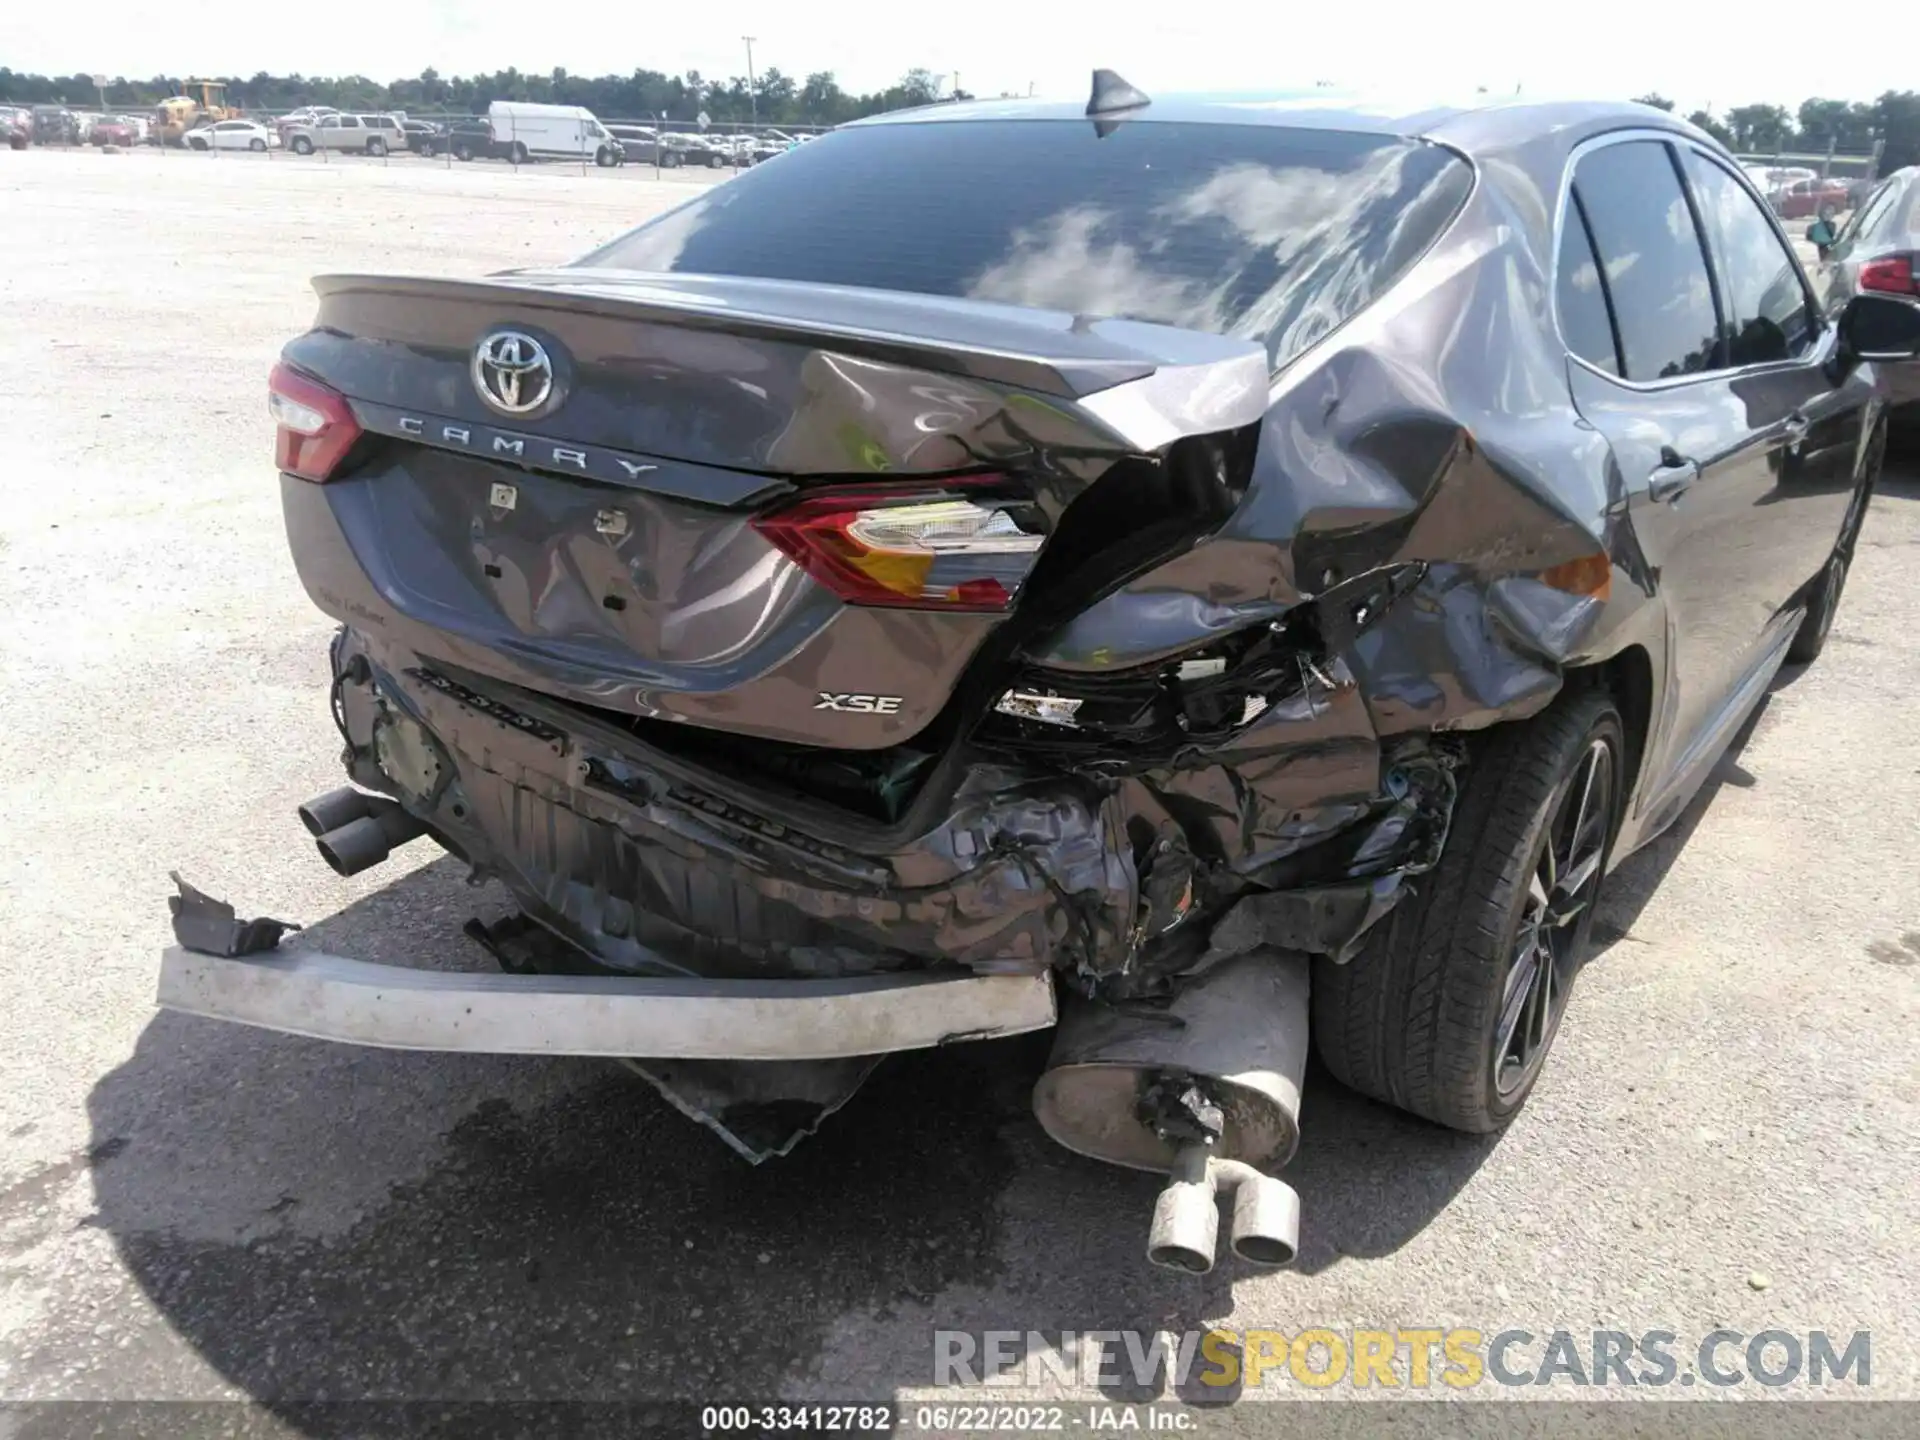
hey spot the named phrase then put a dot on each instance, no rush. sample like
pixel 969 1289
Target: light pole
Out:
pixel 753 99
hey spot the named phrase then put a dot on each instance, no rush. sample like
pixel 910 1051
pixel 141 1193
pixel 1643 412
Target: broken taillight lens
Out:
pixel 950 548
pixel 316 425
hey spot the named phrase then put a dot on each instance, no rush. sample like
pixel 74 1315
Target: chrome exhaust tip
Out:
pixel 1186 1220
pixel 333 810
pixel 1185 1232
pixel 362 843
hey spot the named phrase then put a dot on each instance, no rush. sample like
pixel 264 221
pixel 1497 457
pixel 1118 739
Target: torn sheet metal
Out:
pixel 210 926
pixel 761 1109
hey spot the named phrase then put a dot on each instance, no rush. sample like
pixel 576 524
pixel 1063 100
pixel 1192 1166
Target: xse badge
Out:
pixel 859 704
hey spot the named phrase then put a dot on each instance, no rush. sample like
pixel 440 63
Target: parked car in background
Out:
pixel 1812 196
pixel 469 137
pixel 420 135
pixel 550 132
pixel 353 134
pixel 16 126
pixel 55 125
pixel 761 148
pixel 305 115
pixel 708 151
pixel 1274 639
pixel 233 135
pixel 1876 252
pixel 642 145
pixel 113 130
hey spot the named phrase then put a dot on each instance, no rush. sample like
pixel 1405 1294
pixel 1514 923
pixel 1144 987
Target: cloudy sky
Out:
pixel 1622 49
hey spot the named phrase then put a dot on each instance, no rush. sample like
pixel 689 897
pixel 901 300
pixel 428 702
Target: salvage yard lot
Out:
pixel 1724 1137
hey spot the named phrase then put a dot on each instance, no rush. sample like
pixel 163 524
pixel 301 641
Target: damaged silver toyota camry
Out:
pixel 1212 576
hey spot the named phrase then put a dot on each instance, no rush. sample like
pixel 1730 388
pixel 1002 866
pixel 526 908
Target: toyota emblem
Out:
pixel 513 372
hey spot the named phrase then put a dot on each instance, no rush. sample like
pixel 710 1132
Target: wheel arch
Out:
pixel 1627 675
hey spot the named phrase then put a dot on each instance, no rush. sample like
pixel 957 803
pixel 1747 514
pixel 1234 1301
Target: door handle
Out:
pixel 1673 477
pixel 1795 429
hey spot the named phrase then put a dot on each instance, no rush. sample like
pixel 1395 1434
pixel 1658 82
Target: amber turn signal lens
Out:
pixel 1589 575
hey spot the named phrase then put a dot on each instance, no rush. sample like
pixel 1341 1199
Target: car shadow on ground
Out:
pixel 292 1215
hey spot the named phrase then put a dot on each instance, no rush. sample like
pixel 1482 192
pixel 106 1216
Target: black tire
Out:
pixel 301 145
pixel 715 160
pixel 1823 595
pixel 517 153
pixel 257 145
pixel 1416 1018
pixel 377 148
pixel 604 158
pixel 463 152
pixel 670 160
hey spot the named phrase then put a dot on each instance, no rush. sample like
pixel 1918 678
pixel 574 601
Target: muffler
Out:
pixel 356 831
pixel 1206 1090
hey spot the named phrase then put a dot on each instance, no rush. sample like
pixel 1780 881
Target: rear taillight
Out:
pixel 1891 274
pixel 958 548
pixel 316 425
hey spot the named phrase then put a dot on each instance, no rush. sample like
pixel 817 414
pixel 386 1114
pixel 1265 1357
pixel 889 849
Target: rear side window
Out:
pixel 1650 253
pixel 1270 232
pixel 1766 305
pixel 1584 322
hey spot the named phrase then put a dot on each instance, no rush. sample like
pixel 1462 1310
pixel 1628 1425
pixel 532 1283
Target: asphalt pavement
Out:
pixel 1726 1134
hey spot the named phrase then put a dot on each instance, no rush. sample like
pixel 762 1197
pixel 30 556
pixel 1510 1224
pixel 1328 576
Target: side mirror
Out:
pixel 1821 233
pixel 1881 327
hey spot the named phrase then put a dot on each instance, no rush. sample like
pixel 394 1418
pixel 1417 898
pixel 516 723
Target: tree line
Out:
pixel 773 97
pixel 1848 127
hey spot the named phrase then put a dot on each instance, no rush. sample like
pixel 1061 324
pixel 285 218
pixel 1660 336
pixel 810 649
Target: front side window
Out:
pixel 1652 259
pixel 1768 313
pixel 1274 233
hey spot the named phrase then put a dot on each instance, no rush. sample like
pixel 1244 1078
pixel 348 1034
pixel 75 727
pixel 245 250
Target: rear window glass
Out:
pixel 1273 233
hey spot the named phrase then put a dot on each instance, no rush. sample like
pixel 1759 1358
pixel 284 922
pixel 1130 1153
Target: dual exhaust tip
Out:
pixel 356 831
pixel 1186 1218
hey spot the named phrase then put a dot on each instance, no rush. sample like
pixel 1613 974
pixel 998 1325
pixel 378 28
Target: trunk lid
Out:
pixel 568 479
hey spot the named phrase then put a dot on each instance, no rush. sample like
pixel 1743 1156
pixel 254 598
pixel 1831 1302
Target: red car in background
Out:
pixel 1822 198
pixel 113 130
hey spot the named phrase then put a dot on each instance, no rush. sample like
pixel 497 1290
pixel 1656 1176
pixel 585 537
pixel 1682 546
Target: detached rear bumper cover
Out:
pixel 328 997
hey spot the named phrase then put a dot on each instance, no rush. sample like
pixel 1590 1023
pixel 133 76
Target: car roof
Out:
pixel 1473 122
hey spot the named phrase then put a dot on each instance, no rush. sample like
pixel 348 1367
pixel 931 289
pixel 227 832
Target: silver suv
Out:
pixel 363 134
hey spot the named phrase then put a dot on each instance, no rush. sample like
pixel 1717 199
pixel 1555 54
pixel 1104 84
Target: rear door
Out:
pixel 1780 349
pixel 1696 447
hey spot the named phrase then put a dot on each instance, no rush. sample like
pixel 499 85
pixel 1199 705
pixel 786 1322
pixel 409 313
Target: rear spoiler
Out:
pixel 1151 383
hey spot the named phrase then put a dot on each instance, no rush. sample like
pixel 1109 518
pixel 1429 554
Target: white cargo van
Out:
pixel 524 131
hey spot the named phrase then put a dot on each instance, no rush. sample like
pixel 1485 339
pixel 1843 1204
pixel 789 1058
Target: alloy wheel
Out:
pixel 1555 917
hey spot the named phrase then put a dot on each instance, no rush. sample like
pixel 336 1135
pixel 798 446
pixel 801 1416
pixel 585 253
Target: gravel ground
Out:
pixel 1726 1136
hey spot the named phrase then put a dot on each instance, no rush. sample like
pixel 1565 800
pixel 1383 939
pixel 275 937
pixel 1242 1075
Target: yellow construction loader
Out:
pixel 200 102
